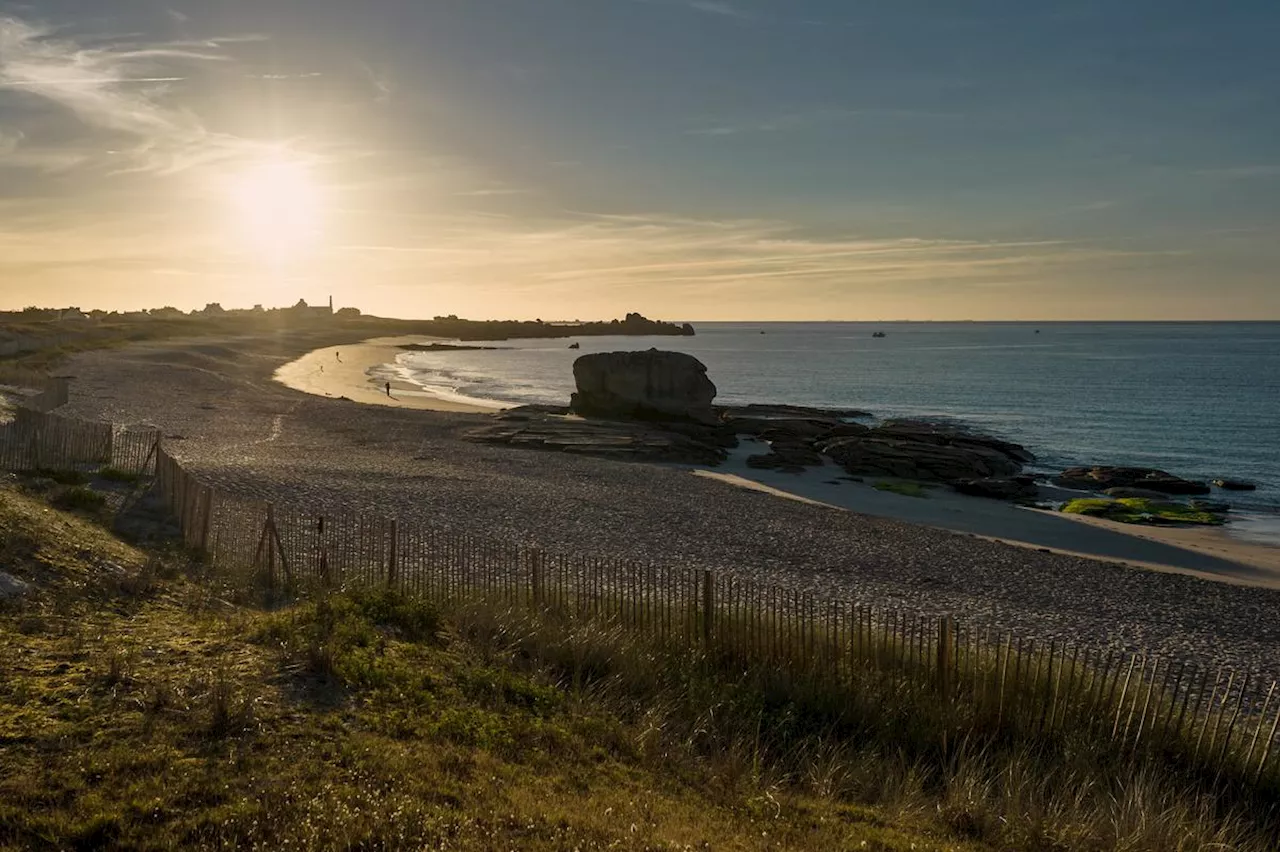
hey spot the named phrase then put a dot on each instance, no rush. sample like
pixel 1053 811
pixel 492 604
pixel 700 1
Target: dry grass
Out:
pixel 172 719
pixel 150 713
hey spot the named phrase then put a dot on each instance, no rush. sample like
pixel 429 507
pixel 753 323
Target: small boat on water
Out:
pixel 878 334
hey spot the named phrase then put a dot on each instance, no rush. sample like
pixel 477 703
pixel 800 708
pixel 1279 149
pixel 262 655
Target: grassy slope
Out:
pixel 144 710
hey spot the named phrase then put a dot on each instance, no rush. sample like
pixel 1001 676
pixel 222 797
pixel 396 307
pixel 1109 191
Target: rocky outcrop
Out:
pixel 787 456
pixel 1012 488
pixel 1140 493
pixel 1235 485
pixel 769 410
pixel 445 347
pixel 930 452
pixel 11 587
pixel 547 428
pixel 1099 478
pixel 652 385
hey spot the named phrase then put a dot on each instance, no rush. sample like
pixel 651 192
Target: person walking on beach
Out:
pixel 388 388
pixel 337 355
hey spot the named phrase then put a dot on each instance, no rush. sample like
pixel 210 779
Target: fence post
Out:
pixel 944 657
pixel 206 519
pixel 708 604
pixel 391 561
pixel 535 577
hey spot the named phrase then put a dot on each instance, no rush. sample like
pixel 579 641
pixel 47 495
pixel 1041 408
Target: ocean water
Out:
pixel 1200 400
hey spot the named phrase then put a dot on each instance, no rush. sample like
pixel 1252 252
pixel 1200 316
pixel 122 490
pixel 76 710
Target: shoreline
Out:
pixel 349 372
pixel 1205 552
pixel 1210 553
pixel 264 442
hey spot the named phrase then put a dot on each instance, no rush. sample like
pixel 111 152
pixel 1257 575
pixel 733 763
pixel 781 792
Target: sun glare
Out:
pixel 277 205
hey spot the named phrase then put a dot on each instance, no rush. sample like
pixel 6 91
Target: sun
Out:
pixel 278 206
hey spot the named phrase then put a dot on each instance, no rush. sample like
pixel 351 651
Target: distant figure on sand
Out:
pixel 388 388
pixel 337 355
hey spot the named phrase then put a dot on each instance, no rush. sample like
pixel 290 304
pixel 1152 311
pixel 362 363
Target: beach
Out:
pixel 353 371
pixel 227 418
pixel 1204 552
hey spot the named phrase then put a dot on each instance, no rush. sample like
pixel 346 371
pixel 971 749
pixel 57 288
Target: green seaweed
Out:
pixel 906 489
pixel 1141 510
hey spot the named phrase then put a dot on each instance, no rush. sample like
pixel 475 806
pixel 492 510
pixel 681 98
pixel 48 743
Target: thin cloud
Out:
pixel 639 253
pixel 108 88
pixel 813 118
pixel 712 7
pixel 1242 172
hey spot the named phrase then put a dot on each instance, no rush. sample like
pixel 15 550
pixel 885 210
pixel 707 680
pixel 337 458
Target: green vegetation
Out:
pixel 1140 510
pixel 906 489
pixel 157 715
pixel 142 709
pixel 63 477
pixel 80 498
pixel 111 474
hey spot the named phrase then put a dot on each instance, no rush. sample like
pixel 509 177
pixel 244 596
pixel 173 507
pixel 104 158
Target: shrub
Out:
pixel 80 498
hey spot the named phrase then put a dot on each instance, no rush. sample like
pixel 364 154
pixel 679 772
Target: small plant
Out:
pixel 227 713
pixel 117 671
pixel 80 498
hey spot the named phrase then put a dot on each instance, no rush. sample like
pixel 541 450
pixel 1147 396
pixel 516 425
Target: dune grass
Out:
pixel 159 712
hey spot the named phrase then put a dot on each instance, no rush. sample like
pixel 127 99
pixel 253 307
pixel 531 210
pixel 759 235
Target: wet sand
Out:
pixel 1208 552
pixel 352 371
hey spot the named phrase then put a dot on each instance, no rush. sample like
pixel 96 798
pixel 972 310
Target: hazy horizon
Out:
pixel 693 160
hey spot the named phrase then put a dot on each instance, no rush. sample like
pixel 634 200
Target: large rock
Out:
pixel 926 452
pixel 1013 488
pixel 1101 478
pixel 653 385
pixel 11 587
pixel 544 428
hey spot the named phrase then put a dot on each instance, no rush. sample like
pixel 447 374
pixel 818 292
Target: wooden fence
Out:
pixel 1138 701
pixel 40 439
pixel 49 392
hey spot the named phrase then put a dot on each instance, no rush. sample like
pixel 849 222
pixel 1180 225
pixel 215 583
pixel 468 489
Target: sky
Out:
pixel 688 159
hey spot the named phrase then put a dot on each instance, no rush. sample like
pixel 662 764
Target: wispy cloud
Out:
pixel 713 7
pixel 1242 172
pixel 118 88
pixel 811 118
pixel 632 253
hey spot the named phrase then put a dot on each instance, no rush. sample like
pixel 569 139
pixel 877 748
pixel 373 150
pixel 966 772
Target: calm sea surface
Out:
pixel 1198 399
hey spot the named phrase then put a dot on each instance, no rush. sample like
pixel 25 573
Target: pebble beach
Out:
pixel 225 415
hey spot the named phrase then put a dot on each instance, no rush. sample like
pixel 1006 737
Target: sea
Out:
pixel 1201 400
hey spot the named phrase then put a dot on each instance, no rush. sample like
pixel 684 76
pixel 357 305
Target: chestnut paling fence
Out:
pixel 1219 720
pixel 36 438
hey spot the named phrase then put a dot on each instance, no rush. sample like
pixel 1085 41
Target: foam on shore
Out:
pixel 360 372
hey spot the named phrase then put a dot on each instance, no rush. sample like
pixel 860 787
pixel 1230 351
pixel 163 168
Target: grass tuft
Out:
pixel 80 498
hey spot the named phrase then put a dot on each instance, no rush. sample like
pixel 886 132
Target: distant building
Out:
pixel 302 309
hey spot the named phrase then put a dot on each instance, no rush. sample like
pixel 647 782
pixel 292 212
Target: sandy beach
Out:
pixel 347 371
pixel 351 371
pixel 226 416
